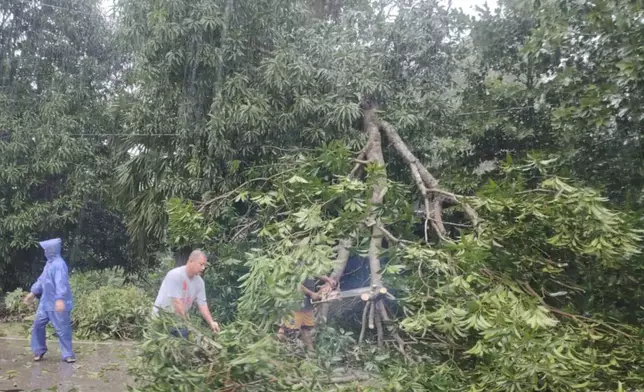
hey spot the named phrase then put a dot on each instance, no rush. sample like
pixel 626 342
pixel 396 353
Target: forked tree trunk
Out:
pixel 375 313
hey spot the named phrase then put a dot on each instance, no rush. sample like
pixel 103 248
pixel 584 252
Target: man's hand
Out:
pixel 215 326
pixel 281 335
pixel 60 305
pixel 28 298
pixel 316 297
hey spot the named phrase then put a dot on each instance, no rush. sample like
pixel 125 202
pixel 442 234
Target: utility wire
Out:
pixel 65 9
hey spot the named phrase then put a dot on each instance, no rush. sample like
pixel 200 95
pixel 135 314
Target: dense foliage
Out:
pixel 234 126
pixel 55 71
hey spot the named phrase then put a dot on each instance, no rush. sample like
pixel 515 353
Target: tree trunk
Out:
pixel 181 256
pixel 374 155
pixel 342 260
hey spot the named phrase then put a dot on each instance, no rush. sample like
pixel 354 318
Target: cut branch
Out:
pixel 392 238
pixel 379 330
pixel 385 317
pixel 364 322
pixel 427 184
pixel 407 155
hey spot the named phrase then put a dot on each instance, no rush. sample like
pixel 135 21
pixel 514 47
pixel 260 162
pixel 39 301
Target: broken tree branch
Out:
pixel 392 238
pixel 350 378
pixel 364 322
pixel 422 175
pixel 385 317
pixel 379 330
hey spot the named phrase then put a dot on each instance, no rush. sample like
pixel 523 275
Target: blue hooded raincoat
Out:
pixel 51 286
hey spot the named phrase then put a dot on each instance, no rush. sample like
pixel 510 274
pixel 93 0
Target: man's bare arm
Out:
pixel 178 307
pixel 327 280
pixel 312 294
pixel 205 313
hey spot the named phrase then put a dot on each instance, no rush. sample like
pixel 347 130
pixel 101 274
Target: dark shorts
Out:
pixel 183 332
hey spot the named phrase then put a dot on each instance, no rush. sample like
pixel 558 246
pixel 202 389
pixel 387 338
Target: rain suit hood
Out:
pixel 52 248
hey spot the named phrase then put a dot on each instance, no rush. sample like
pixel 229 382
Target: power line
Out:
pixel 493 111
pixel 65 9
pixel 124 134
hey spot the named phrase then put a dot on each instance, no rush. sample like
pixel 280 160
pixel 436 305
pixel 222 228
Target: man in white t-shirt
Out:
pixel 183 285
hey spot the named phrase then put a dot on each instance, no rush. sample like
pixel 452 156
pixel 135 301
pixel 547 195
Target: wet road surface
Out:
pixel 100 366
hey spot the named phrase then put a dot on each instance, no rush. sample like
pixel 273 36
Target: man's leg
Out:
pixel 183 332
pixel 63 325
pixel 307 324
pixel 305 334
pixel 38 334
pixel 289 324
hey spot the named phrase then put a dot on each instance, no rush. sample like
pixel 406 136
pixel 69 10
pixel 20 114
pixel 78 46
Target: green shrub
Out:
pixel 14 308
pixel 88 281
pixel 111 313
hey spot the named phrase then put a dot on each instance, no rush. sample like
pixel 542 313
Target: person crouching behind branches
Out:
pixel 302 320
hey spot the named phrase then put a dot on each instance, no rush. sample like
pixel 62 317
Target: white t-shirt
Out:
pixel 176 284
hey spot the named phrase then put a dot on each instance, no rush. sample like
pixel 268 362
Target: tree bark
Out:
pixel 342 260
pixel 379 330
pixel 219 76
pixel 363 328
pixel 374 155
pixel 434 197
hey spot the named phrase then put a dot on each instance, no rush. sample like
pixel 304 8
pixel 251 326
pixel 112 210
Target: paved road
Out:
pixel 100 367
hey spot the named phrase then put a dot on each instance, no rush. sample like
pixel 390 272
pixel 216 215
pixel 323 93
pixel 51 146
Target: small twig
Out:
pixel 371 315
pixel 578 289
pixel 427 217
pixel 456 224
pixel 442 192
pixel 391 237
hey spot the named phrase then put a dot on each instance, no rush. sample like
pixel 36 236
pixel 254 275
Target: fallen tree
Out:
pixel 435 201
pixel 504 290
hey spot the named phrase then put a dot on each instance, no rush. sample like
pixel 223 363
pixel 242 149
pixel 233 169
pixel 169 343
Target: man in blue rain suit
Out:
pixel 55 304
